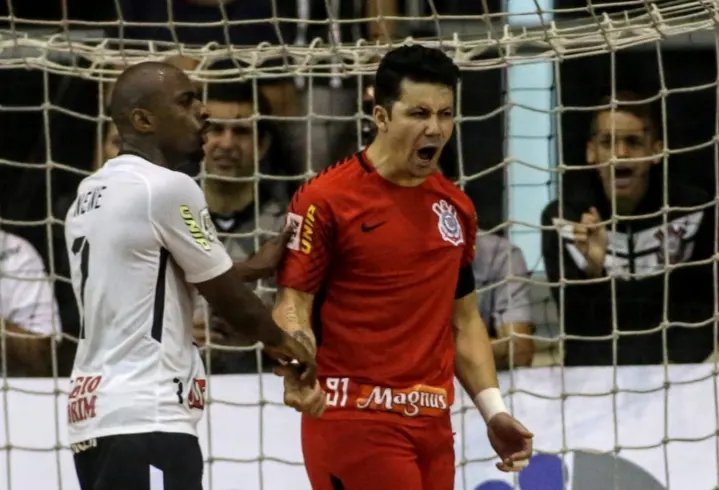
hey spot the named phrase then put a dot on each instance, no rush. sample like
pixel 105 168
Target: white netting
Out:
pixel 613 427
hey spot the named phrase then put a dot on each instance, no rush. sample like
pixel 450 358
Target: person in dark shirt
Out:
pixel 633 272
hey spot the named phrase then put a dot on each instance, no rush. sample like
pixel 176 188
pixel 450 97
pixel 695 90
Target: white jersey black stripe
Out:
pixel 138 237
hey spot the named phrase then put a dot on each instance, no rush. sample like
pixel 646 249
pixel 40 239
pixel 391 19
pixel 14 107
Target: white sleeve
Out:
pixel 179 215
pixel 28 299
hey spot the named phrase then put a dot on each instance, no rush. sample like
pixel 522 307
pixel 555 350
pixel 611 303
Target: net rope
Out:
pixel 498 41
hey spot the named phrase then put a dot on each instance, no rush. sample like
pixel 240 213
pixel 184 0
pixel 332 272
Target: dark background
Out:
pixel 691 118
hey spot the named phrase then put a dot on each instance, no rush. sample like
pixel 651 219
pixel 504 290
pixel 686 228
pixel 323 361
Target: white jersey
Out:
pixel 27 298
pixel 138 236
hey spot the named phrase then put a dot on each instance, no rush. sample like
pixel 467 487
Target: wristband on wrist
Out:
pixel 489 402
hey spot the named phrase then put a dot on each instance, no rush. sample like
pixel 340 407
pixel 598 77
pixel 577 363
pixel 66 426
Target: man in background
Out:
pixel 245 212
pixel 644 248
pixel 329 93
pixel 28 311
pixel 504 301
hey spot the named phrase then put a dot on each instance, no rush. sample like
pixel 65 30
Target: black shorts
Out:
pixel 123 462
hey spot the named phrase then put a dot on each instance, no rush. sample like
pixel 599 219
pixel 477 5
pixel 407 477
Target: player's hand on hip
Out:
pixel 511 441
pixel 591 239
pixel 265 262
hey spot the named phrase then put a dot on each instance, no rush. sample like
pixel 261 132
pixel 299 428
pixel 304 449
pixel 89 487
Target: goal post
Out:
pixel 533 76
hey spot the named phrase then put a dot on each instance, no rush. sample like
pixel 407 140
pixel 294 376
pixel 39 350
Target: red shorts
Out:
pixel 381 454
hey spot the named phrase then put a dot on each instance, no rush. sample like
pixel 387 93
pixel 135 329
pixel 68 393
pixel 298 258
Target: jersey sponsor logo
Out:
pixel 81 403
pixel 196 394
pixel 196 397
pixel 367 228
pixel 196 231
pixel 294 221
pixel 411 402
pixel 308 230
pixel 448 224
pixel 418 400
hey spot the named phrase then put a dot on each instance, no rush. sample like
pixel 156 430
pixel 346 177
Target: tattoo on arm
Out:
pixel 294 316
pixel 291 316
pixel 306 340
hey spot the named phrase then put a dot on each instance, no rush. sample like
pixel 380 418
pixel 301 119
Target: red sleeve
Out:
pixel 309 249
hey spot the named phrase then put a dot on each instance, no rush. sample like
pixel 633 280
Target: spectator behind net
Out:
pixel 636 253
pixel 503 299
pixel 240 208
pixel 28 310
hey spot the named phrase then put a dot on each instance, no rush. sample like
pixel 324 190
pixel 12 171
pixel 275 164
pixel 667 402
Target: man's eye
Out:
pixel 242 130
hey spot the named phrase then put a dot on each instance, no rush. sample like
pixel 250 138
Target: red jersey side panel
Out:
pixel 393 256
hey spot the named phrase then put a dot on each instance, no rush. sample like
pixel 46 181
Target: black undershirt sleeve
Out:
pixel 465 282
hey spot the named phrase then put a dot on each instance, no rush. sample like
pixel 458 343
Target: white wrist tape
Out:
pixel 489 402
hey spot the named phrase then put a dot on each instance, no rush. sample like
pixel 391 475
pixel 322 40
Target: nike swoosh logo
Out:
pixel 367 228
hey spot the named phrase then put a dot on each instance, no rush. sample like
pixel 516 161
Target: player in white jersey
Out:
pixel 141 242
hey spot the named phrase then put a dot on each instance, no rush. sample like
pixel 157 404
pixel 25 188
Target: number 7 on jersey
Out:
pixel 81 246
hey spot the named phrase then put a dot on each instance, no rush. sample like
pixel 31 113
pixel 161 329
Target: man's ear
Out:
pixel 657 150
pixel 142 121
pixel 590 153
pixel 264 147
pixel 381 117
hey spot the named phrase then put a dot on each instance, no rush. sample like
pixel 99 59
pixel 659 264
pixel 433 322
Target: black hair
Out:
pixel 632 103
pixel 241 93
pixel 415 63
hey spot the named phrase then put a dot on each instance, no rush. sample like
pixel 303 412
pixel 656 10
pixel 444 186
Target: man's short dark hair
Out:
pixel 416 63
pixel 241 93
pixel 631 103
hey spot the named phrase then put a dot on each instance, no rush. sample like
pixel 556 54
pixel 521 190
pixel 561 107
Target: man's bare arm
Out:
pixel 520 349
pixel 293 312
pixel 28 354
pixel 264 263
pixel 237 304
pixel 474 360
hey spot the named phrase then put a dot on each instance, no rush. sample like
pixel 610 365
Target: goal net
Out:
pixel 642 416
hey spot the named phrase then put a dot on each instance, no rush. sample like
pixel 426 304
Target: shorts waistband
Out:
pixel 415 401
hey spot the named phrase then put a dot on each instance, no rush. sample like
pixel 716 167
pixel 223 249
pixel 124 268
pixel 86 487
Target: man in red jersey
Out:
pixel 378 277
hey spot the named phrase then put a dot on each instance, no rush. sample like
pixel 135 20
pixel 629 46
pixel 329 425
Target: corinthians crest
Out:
pixel 448 223
pixel 671 244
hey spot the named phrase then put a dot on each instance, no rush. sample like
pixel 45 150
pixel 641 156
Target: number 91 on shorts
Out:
pixel 418 400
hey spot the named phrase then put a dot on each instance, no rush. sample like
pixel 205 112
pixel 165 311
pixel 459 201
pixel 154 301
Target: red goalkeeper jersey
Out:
pixel 383 262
